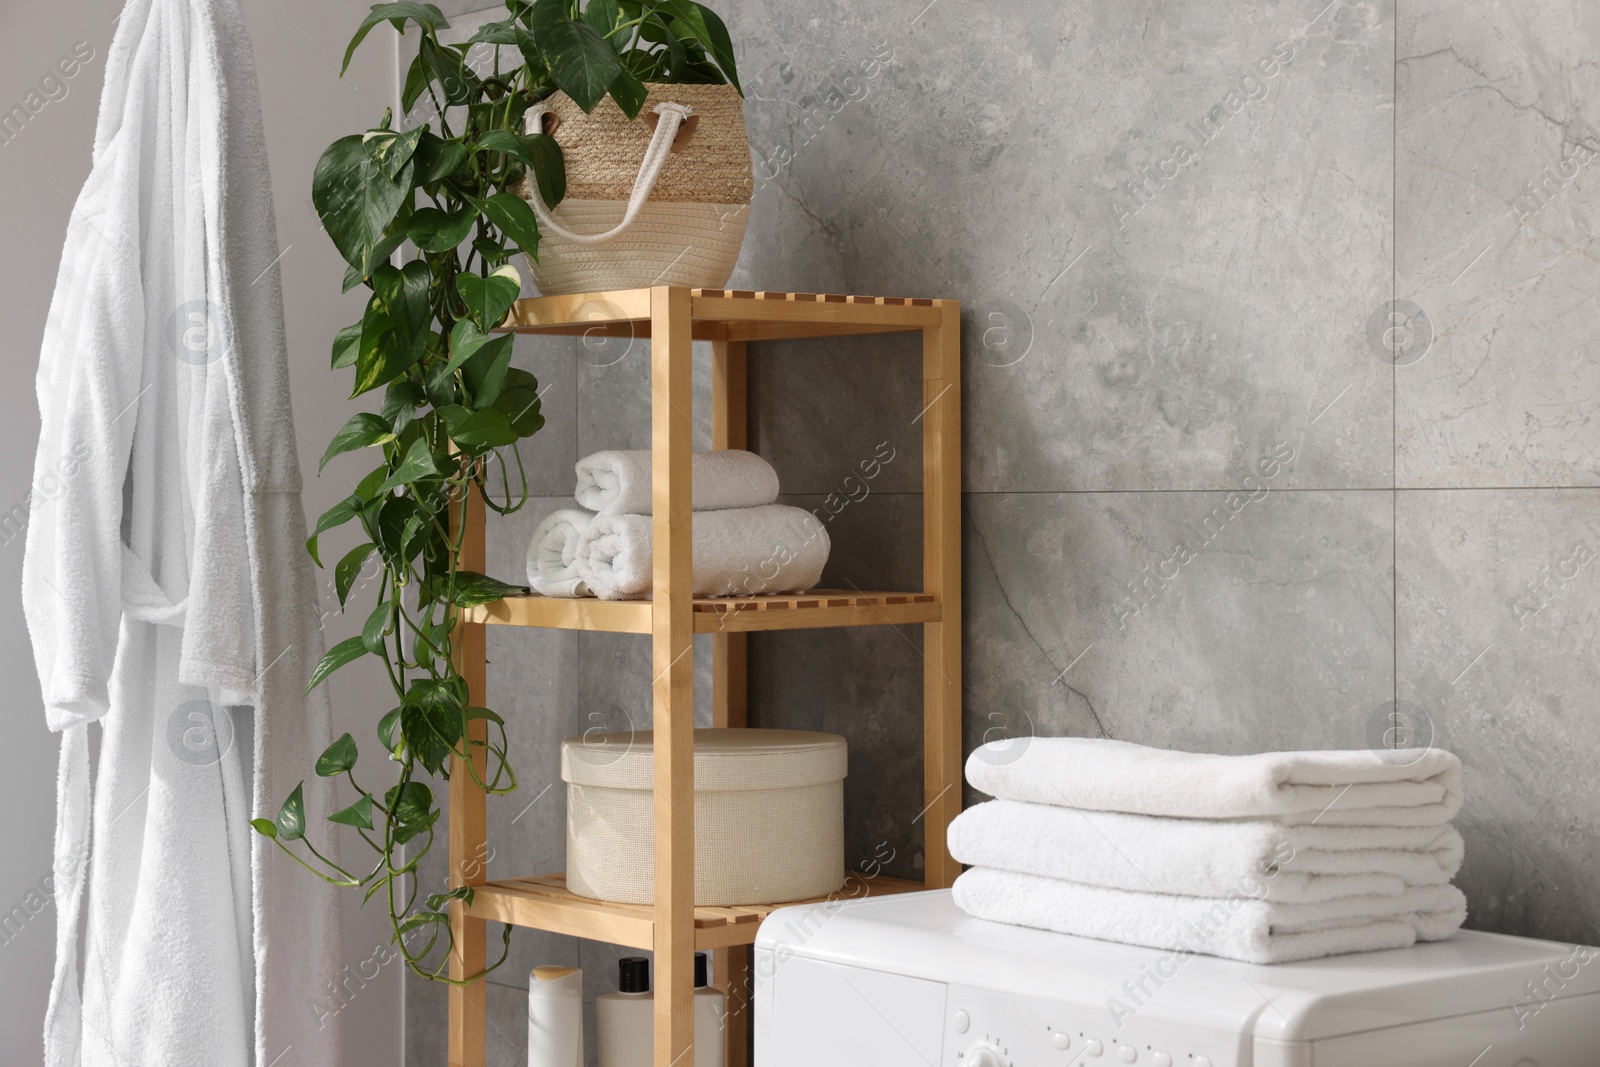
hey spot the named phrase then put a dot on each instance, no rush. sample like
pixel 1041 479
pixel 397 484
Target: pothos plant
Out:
pixel 453 408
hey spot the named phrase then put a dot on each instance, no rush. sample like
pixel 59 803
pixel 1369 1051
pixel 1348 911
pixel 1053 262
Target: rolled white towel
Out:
pixel 1236 927
pixel 553 553
pixel 1204 857
pixel 737 552
pixel 1361 787
pixel 618 483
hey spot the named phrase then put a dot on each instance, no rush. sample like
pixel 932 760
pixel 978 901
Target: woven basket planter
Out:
pixel 658 200
pixel 768 816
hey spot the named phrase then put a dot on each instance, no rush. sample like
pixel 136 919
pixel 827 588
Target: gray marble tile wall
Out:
pixel 1281 372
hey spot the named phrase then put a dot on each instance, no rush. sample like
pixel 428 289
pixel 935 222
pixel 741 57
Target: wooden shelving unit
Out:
pixel 672 318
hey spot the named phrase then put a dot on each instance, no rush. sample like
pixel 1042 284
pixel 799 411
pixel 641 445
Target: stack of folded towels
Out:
pixel 1266 858
pixel 743 543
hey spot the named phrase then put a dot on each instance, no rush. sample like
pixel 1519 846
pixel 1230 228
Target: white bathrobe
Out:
pixel 167 591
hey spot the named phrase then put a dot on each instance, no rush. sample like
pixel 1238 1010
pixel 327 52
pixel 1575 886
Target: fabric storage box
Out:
pixel 768 816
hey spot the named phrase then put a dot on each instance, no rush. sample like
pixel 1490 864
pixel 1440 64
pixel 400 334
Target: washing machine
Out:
pixel 911 981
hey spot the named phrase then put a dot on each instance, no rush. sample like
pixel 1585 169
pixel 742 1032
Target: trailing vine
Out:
pixel 453 408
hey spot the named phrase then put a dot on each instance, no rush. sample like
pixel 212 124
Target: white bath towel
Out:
pixel 1204 857
pixel 738 552
pixel 166 585
pixel 1237 927
pixel 618 483
pixel 1410 787
pixel 553 553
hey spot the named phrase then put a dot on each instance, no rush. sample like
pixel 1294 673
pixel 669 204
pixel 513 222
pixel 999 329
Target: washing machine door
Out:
pixel 830 1015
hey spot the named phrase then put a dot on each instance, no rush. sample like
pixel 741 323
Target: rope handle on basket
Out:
pixel 655 157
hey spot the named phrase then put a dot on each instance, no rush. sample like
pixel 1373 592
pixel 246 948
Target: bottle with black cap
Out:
pixel 626 1019
pixel 710 1011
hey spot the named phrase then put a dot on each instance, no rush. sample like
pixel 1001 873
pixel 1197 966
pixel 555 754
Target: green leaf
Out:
pixel 354 200
pixel 416 84
pixel 519 399
pixel 495 33
pixel 338 515
pixel 503 141
pixel 493 252
pixel 549 167
pixel 264 827
pixel 398 525
pixel 424 15
pixel 363 430
pixel 355 275
pixel 485 373
pixel 471 588
pixel 432 720
pixel 604 15
pixel 337 757
pixel 417 465
pixel 375 628
pixel 410 803
pixel 704 26
pixel 433 231
pixel 393 335
pixel 489 299
pixel 437 159
pixel 348 569
pixel 400 403
pixel 391 151
pixel 629 93
pixel 292 816
pixel 386 735
pixel 345 344
pixel 459 83
pixel 344 652
pixel 484 430
pixel 466 340
pixel 357 814
pixel 515 219
pixel 582 63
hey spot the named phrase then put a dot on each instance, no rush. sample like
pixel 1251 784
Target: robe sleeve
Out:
pixel 91 367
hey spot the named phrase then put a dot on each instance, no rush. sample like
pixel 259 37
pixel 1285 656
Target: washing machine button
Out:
pixel 1093 1048
pixel 1127 1054
pixel 1161 1059
pixel 963 1022
pixel 1202 1061
pixel 1060 1040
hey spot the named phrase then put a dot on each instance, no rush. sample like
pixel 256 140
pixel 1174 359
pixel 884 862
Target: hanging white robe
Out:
pixel 166 586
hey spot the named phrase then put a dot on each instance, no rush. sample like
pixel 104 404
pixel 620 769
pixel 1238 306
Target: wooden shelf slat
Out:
pixel 725 314
pixel 819 609
pixel 545 903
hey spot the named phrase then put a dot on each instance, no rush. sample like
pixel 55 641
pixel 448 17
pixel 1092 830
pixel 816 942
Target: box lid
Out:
pixel 725 760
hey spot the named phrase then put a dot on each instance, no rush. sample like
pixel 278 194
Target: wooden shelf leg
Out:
pixel 468 828
pixel 672 648
pixel 730 688
pixel 941 575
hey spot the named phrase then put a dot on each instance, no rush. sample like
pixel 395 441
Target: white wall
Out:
pixel 306 105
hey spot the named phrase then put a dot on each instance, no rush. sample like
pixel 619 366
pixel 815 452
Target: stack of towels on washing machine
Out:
pixel 743 542
pixel 1265 858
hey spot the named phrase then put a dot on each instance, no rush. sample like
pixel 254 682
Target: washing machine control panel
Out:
pixel 990 1028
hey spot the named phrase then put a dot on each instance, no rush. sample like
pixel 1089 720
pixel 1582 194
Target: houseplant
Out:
pixel 453 410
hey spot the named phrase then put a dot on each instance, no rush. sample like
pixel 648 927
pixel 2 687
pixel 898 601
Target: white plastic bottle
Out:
pixel 710 1014
pixel 626 1019
pixel 555 1017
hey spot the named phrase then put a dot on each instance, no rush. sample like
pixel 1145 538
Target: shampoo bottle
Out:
pixel 555 1017
pixel 710 1011
pixel 626 1019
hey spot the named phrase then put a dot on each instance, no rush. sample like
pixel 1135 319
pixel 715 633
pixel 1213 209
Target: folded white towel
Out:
pixel 737 552
pixel 553 553
pixel 1204 857
pixel 618 483
pixel 1408 787
pixel 1237 927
